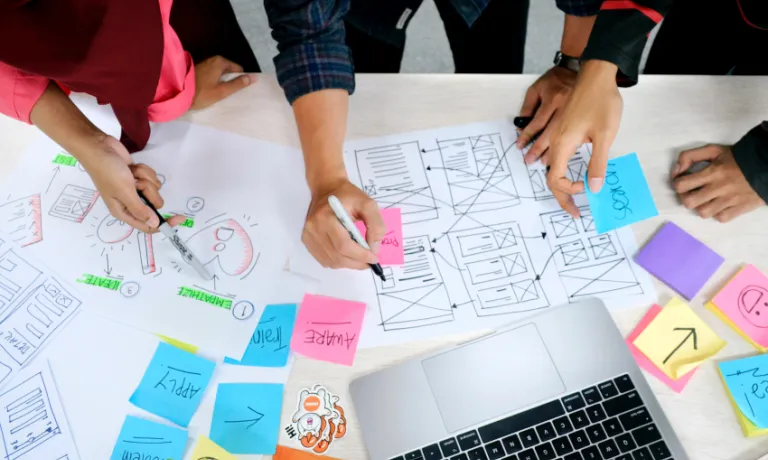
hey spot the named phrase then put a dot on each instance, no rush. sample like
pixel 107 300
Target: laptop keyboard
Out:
pixel 606 421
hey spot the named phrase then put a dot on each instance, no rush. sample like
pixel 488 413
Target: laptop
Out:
pixel 561 385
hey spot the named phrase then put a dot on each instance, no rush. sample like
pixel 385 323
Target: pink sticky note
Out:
pixel 645 363
pixel 745 302
pixel 328 329
pixel 391 251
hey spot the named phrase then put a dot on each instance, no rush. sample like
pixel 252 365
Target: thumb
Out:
pixel 228 88
pixel 688 157
pixel 598 163
pixel 375 229
pixel 138 209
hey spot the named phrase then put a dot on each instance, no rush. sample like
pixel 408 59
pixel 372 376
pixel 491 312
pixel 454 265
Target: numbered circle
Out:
pixel 129 289
pixel 195 204
pixel 243 310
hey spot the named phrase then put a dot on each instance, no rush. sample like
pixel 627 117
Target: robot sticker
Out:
pixel 319 420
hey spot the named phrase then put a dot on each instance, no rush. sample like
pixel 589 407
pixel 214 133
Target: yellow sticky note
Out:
pixel 207 449
pixel 724 318
pixel 179 344
pixel 678 340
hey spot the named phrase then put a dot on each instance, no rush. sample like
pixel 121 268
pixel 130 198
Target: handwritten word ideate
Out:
pixel 677 340
pixel 246 417
pixel 328 329
pixel 269 345
pixel 747 381
pixel 743 305
pixel 625 197
pixel 391 251
pixel 173 384
pixel 143 439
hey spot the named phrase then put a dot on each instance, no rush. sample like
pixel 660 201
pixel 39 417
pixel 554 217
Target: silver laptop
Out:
pixel 561 385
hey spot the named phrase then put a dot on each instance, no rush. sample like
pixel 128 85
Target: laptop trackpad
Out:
pixel 491 377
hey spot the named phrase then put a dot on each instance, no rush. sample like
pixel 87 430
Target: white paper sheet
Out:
pixel 98 363
pixel 32 421
pixel 475 258
pixel 247 200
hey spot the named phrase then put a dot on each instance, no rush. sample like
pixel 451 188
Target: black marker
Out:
pixel 522 122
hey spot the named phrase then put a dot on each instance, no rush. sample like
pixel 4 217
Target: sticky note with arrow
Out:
pixel 678 340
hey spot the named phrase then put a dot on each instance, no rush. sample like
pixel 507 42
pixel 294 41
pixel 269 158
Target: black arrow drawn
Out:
pixel 108 271
pixel 55 171
pixel 215 278
pixel 691 333
pixel 253 421
pixel 446 261
pixel 538 276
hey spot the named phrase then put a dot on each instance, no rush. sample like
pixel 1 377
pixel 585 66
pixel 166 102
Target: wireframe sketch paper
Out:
pixel 743 305
pixel 747 381
pixel 270 343
pixel 174 384
pixel 209 176
pixel 142 438
pixel 391 250
pixel 484 241
pixel 35 305
pixel 625 197
pixel 246 418
pixel 32 421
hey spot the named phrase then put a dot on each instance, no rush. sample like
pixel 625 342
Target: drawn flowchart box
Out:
pixel 74 203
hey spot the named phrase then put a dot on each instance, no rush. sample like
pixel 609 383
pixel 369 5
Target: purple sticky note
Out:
pixel 679 260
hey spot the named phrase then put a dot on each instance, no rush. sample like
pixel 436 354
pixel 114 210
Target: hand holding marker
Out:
pixel 349 226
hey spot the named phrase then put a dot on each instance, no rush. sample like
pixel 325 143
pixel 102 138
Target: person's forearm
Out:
pixel 576 31
pixel 59 118
pixel 321 118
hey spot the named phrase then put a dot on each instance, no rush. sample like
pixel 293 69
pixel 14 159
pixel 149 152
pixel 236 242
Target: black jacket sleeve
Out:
pixel 751 154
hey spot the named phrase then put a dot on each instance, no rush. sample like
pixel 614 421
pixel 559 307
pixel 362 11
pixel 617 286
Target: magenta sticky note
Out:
pixel 744 300
pixel 328 329
pixel 391 251
pixel 645 363
pixel 679 260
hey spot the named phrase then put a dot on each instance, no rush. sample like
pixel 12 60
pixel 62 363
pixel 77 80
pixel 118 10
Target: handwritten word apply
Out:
pixel 173 384
pixel 269 345
pixel 328 329
pixel 625 197
pixel 747 381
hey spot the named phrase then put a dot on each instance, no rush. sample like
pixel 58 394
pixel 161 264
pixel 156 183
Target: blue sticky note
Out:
pixel 270 343
pixel 625 197
pixel 747 381
pixel 246 417
pixel 173 384
pixel 141 438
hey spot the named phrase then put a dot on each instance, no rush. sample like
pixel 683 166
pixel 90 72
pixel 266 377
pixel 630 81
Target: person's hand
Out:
pixel 592 114
pixel 720 190
pixel 544 102
pixel 326 238
pixel 117 179
pixel 209 89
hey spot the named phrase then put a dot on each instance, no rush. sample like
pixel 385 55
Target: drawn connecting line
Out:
pixel 226 244
pixel 414 294
pixel 478 177
pixel 589 264
pixel 395 176
pixel 577 168
pixel 22 220
pixel 498 272
pixel 27 418
pixel 74 203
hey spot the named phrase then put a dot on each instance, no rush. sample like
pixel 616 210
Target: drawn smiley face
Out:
pixel 753 304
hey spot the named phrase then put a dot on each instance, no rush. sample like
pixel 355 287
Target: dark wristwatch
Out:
pixel 567 62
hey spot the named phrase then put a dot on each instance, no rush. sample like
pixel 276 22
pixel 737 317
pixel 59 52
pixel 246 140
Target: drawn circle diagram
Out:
pixel 111 230
pixel 195 204
pixel 753 304
pixel 243 310
pixel 129 289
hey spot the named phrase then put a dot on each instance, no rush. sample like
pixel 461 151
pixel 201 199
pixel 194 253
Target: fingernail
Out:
pixel 153 222
pixel 528 158
pixel 375 247
pixel 676 170
pixel 246 80
pixel 595 184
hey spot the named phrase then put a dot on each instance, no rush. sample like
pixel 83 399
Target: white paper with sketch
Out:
pixel 34 306
pixel 33 424
pixel 485 243
pixel 98 364
pixel 245 201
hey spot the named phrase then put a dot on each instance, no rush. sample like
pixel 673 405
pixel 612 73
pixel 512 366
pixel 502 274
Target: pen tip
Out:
pixel 383 278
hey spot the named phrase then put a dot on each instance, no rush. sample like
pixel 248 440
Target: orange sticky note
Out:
pixel 286 453
pixel 328 329
pixel 743 304
pixel 647 364
pixel 391 250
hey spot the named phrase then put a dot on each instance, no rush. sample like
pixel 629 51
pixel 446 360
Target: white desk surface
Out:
pixel 662 116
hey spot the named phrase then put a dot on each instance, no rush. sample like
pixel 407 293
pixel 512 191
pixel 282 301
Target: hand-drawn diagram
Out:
pixel 395 176
pixel 478 177
pixel 414 295
pixel 224 243
pixel 589 264
pixel 74 203
pixel 577 168
pixel 32 424
pixel 498 270
pixel 23 220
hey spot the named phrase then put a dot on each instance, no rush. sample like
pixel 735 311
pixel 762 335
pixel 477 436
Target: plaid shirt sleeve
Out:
pixel 312 53
pixel 579 7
